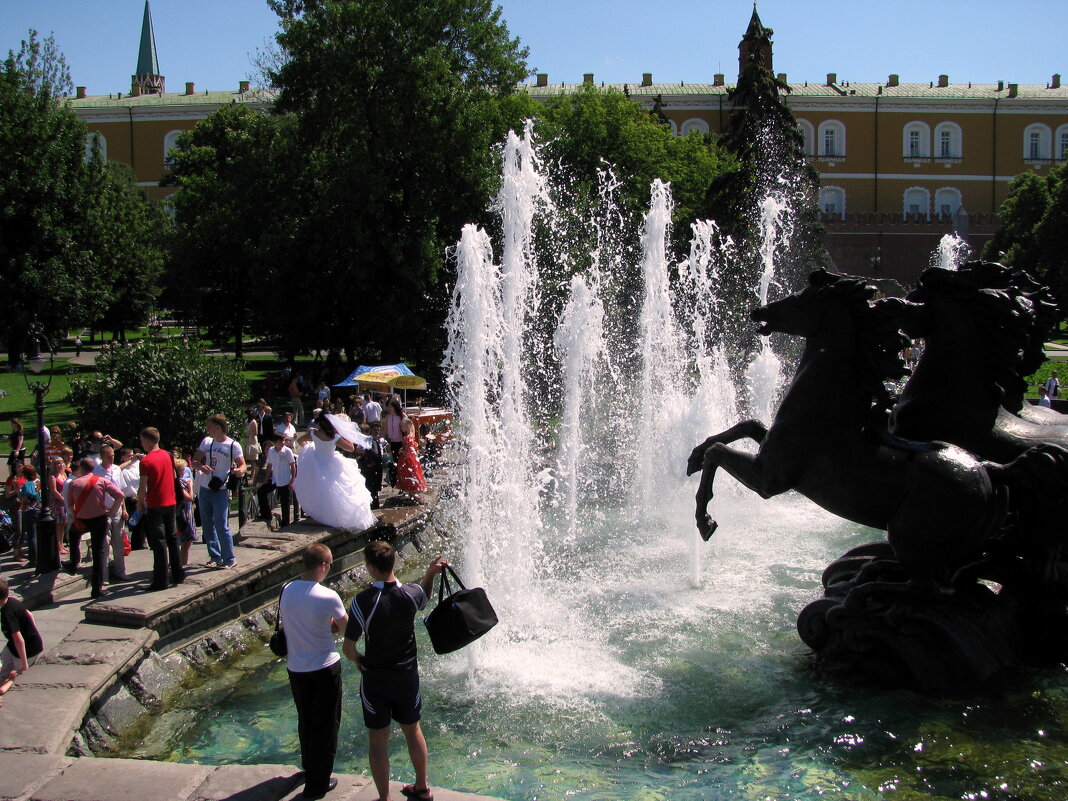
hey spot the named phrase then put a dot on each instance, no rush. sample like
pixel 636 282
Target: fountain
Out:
pixel 632 660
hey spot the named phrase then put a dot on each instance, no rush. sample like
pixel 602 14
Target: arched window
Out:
pixel 831 139
pixel 169 141
pixel 808 135
pixel 694 124
pixel 916 140
pixel 948 144
pixel 1036 142
pixel 96 139
pixel 1060 144
pixel 917 202
pixel 832 201
pixel 947 201
pixel 674 127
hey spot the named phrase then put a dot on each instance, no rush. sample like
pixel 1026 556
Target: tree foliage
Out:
pixel 595 128
pixel 397 108
pixel 227 219
pixel 764 136
pixel 174 388
pixel 77 237
pixel 1034 230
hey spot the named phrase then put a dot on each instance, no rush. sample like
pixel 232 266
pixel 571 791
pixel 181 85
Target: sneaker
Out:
pixel 229 565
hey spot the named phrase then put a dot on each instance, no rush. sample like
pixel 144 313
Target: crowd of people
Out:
pixel 127 498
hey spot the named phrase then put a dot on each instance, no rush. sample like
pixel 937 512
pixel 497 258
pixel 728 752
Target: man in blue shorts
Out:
pixel 384 615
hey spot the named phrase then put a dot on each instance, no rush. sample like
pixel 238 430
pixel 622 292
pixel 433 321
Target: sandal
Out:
pixel 210 563
pixel 411 791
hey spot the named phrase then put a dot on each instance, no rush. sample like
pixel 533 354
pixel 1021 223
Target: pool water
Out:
pixel 630 682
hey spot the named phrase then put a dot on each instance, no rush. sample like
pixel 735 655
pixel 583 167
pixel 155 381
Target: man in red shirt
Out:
pixel 156 502
pixel 85 496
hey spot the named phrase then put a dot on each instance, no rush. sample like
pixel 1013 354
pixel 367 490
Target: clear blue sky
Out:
pixel 210 42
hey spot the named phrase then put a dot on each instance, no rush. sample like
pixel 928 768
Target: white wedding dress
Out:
pixel 330 488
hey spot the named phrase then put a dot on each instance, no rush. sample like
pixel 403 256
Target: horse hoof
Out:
pixel 707 528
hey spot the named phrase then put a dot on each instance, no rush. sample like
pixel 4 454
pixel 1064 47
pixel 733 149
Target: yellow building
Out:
pixel 900 164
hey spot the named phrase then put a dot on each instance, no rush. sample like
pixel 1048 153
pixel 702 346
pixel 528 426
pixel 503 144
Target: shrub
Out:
pixel 174 388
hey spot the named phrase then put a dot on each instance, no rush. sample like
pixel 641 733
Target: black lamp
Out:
pixel 47 549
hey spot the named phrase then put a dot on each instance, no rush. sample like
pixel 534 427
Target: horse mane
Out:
pixel 1013 313
pixel 878 335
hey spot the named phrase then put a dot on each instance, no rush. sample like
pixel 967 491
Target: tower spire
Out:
pixel 756 44
pixel 147 79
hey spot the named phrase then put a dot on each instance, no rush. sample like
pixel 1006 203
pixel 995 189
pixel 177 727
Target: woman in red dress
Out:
pixel 410 479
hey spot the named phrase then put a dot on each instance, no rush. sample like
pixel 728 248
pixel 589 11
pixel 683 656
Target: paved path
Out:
pixel 87 653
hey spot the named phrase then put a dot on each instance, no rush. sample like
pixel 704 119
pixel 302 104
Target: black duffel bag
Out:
pixel 460 617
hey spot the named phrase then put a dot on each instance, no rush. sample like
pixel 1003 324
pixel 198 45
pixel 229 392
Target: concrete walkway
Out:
pixel 91 644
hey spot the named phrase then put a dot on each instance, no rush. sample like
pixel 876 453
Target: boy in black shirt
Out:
pixel 389 689
pixel 23 640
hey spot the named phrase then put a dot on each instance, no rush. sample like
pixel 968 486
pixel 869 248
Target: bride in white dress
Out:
pixel 329 487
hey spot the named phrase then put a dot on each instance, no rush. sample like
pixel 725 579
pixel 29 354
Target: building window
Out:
pixel 96 139
pixel 917 140
pixel 948 140
pixel 832 202
pixel 947 201
pixel 1062 143
pixel 832 139
pixel 808 137
pixel 917 202
pixel 1036 142
pixel 169 141
pixel 694 124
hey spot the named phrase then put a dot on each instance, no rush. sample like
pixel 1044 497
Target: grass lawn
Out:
pixel 19 400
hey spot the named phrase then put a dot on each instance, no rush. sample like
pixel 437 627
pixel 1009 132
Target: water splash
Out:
pixel 951 253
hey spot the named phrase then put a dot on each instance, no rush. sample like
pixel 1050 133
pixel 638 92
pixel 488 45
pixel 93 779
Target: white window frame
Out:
pixel 839 130
pixel 169 141
pixel 956 140
pixel 1060 143
pixel 837 196
pixel 1037 141
pixel 950 193
pixel 925 209
pixel 95 136
pixel 919 131
pixel 808 135
pixel 694 124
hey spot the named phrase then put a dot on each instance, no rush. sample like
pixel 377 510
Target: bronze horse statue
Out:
pixel 937 502
pixel 983 328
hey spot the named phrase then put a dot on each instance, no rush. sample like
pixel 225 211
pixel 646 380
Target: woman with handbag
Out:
pixel 219 463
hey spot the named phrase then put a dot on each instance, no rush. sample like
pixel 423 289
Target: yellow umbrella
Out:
pixel 391 378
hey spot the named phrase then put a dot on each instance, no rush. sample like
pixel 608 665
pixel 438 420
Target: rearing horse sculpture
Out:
pixel 937 502
pixel 982 326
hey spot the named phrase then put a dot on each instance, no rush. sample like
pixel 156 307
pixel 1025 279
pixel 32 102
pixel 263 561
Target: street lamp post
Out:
pixel 47 548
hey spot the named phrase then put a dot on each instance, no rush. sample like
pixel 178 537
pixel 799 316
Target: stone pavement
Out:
pixel 57 778
pixel 91 644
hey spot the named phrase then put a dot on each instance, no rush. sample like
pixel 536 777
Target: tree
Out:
pixel 594 128
pixel 764 136
pixel 1020 213
pixel 127 233
pixel 46 271
pixel 174 388
pixel 398 107
pixel 226 216
pixel 1034 219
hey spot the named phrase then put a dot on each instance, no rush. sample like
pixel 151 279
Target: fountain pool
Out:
pixel 632 661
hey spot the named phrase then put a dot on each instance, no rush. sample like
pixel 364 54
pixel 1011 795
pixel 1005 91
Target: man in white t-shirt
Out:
pixel 281 469
pixel 312 615
pixel 217 458
pixel 287 429
pixel 372 410
pixel 130 466
pixel 108 469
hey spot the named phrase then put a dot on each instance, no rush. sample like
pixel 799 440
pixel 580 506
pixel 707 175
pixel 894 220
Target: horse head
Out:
pixel 803 314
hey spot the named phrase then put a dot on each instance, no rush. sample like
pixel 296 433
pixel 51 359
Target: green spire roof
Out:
pixel 147 63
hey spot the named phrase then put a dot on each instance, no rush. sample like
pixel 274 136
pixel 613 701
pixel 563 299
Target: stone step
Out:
pixel 55 778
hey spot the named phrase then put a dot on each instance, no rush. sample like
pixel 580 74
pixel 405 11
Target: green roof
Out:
pixel 207 98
